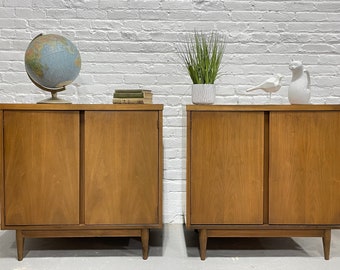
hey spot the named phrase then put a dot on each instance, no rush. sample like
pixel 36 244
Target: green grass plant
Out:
pixel 202 55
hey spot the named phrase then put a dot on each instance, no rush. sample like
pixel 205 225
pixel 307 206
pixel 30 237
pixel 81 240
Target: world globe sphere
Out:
pixel 52 62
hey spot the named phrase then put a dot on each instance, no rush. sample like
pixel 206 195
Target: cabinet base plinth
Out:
pixel 204 234
pixel 22 234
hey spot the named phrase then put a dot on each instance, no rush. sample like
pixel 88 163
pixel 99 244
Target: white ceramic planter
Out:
pixel 203 93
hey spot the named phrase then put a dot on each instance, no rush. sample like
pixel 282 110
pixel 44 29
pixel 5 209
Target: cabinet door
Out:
pixel 41 167
pixel 226 167
pixel 304 177
pixel 121 167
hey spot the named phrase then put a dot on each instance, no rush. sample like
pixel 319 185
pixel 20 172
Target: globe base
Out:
pixel 54 99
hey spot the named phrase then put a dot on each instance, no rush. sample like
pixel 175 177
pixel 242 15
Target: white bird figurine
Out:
pixel 270 85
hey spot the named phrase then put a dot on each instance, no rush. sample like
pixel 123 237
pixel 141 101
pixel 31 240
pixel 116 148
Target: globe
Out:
pixel 52 62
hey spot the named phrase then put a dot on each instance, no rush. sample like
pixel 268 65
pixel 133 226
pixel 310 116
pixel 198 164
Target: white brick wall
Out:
pixel 127 44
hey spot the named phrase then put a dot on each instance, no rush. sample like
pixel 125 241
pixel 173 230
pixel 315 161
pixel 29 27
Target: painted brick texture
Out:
pixel 132 44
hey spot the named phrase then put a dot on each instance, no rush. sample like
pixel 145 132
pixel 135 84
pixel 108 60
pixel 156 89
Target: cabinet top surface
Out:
pixel 80 107
pixel 308 107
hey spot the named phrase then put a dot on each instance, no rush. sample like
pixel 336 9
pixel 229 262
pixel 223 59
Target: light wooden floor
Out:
pixel 172 248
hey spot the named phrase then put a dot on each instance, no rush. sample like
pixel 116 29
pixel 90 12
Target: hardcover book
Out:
pixel 132 101
pixel 136 96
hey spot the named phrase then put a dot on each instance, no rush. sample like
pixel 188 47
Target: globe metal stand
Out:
pixel 53 99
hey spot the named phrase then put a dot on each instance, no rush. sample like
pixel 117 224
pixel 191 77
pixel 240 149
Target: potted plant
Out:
pixel 202 55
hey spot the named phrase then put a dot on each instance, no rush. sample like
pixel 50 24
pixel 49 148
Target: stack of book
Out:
pixel 138 96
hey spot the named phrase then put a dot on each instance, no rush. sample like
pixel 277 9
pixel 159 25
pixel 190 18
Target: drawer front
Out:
pixel 304 164
pixel 41 167
pixel 122 167
pixel 226 155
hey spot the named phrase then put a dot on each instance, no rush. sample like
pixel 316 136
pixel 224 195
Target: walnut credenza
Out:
pixel 80 170
pixel 263 171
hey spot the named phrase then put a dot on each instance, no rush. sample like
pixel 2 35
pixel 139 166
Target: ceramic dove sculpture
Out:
pixel 270 85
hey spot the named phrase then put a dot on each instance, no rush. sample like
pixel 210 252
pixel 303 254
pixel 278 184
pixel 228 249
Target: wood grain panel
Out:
pixel 226 167
pixel 2 201
pixel 121 167
pixel 304 168
pixel 41 171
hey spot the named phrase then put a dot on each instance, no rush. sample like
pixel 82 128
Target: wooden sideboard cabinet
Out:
pixel 263 171
pixel 81 170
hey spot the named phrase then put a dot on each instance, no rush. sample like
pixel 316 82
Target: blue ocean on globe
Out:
pixel 52 61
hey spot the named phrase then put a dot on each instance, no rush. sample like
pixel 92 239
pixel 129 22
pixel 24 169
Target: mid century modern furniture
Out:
pixel 81 170
pixel 263 171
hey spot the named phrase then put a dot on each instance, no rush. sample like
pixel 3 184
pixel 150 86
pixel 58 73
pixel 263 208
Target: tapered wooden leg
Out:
pixel 145 243
pixel 203 239
pixel 20 244
pixel 326 240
